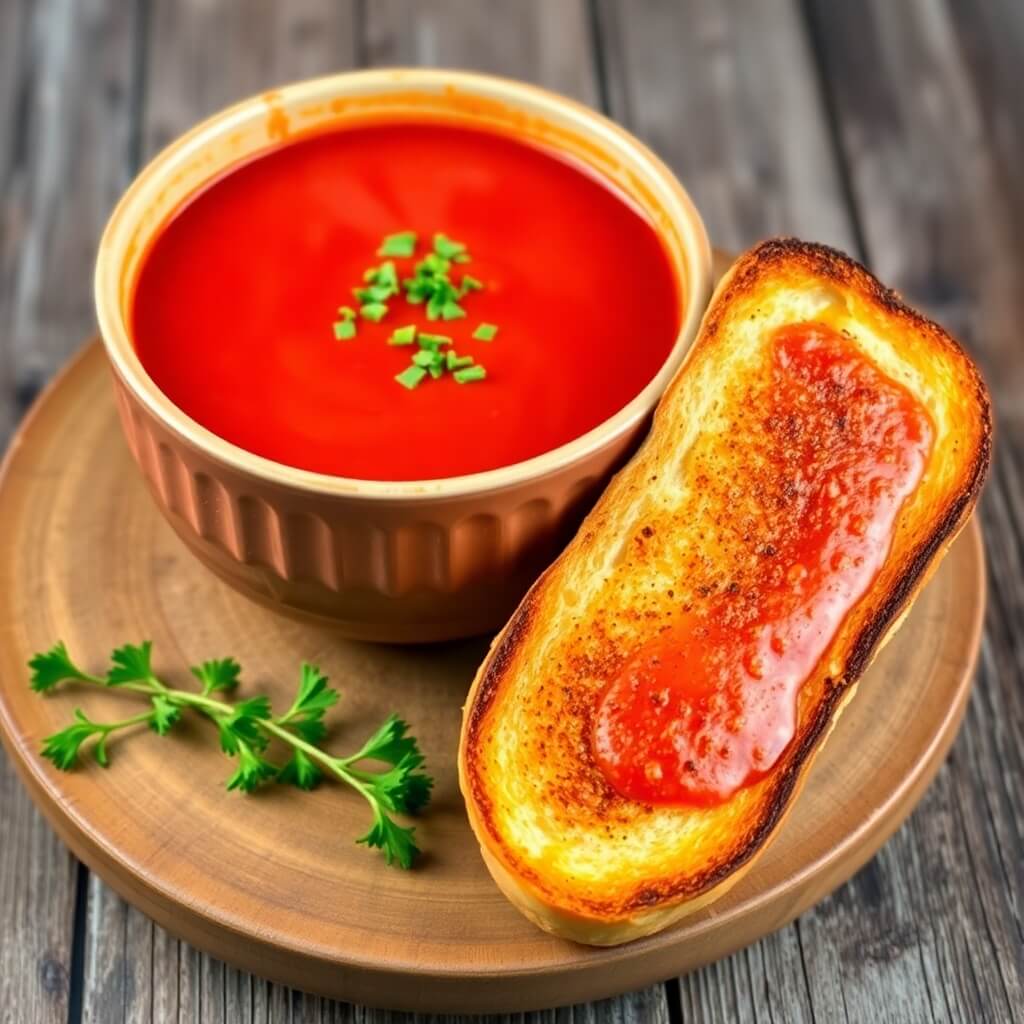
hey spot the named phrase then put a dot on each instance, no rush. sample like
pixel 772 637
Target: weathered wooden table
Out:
pixel 894 130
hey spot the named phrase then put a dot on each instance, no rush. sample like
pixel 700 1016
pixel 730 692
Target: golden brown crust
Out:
pixel 661 896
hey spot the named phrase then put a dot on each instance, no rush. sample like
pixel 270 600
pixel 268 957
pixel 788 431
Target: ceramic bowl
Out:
pixel 407 561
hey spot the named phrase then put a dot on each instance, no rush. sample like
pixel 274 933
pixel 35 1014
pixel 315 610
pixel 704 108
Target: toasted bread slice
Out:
pixel 568 849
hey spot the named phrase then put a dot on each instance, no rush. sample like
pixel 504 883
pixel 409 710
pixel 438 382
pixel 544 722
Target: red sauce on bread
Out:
pixel 711 705
pixel 233 308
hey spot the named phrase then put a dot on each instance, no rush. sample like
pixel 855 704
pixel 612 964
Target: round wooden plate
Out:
pixel 274 882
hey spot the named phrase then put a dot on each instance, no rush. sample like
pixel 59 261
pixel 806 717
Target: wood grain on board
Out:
pixel 770 112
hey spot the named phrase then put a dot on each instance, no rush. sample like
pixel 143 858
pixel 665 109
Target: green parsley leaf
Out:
pixel 400 244
pixel 311 703
pixel 375 311
pixel 403 335
pixel 217 674
pixel 131 664
pixel 52 667
pixel 346 313
pixel 62 748
pixel 300 771
pixel 411 376
pixel 485 332
pixel 252 770
pixel 241 728
pixel 344 330
pixel 390 743
pixel 469 374
pixel 469 284
pixel 396 843
pixel 165 715
pixel 451 310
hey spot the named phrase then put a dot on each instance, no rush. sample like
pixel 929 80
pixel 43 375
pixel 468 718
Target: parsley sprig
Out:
pixel 246 729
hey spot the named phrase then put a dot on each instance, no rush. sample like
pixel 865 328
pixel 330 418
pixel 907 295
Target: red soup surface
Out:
pixel 235 301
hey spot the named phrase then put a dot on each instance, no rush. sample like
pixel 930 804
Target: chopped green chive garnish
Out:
pixel 454 362
pixel 485 332
pixel 386 277
pixel 428 358
pixel 403 335
pixel 432 340
pixel 449 249
pixel 375 311
pixel 375 293
pixel 430 285
pixel 411 376
pixel 401 244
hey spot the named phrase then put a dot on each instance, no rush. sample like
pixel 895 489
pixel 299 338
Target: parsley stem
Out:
pixel 333 764
pixel 109 727
pixel 337 766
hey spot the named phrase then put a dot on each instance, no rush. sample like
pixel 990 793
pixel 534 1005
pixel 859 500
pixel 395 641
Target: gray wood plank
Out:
pixel 536 40
pixel 71 162
pixel 65 74
pixel 726 93
pixel 203 56
pixel 928 138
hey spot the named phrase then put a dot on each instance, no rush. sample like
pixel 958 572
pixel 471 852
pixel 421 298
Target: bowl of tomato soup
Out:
pixel 379 339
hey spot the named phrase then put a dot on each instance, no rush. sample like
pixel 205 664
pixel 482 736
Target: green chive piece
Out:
pixel 387 277
pixel 485 332
pixel 454 362
pixel 375 311
pixel 449 249
pixel 347 312
pixel 434 307
pixel 436 371
pixel 432 340
pixel 411 376
pixel 469 374
pixel 452 311
pixel 402 243
pixel 428 358
pixel 403 335
pixel 344 330
pixel 375 293
pixel 469 284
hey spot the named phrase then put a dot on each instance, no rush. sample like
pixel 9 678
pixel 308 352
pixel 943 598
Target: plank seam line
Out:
pixel 76 969
pixel 597 49
pixel 816 47
pixel 674 1001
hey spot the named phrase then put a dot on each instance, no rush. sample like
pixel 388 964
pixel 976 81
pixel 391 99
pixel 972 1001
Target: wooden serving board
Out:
pixel 274 882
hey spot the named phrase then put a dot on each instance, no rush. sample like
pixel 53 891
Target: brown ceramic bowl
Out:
pixel 407 561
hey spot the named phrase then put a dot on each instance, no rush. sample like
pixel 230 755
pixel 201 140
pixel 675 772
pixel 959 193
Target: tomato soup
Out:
pixel 235 300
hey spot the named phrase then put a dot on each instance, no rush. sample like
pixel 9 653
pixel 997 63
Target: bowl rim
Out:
pixel 690 228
